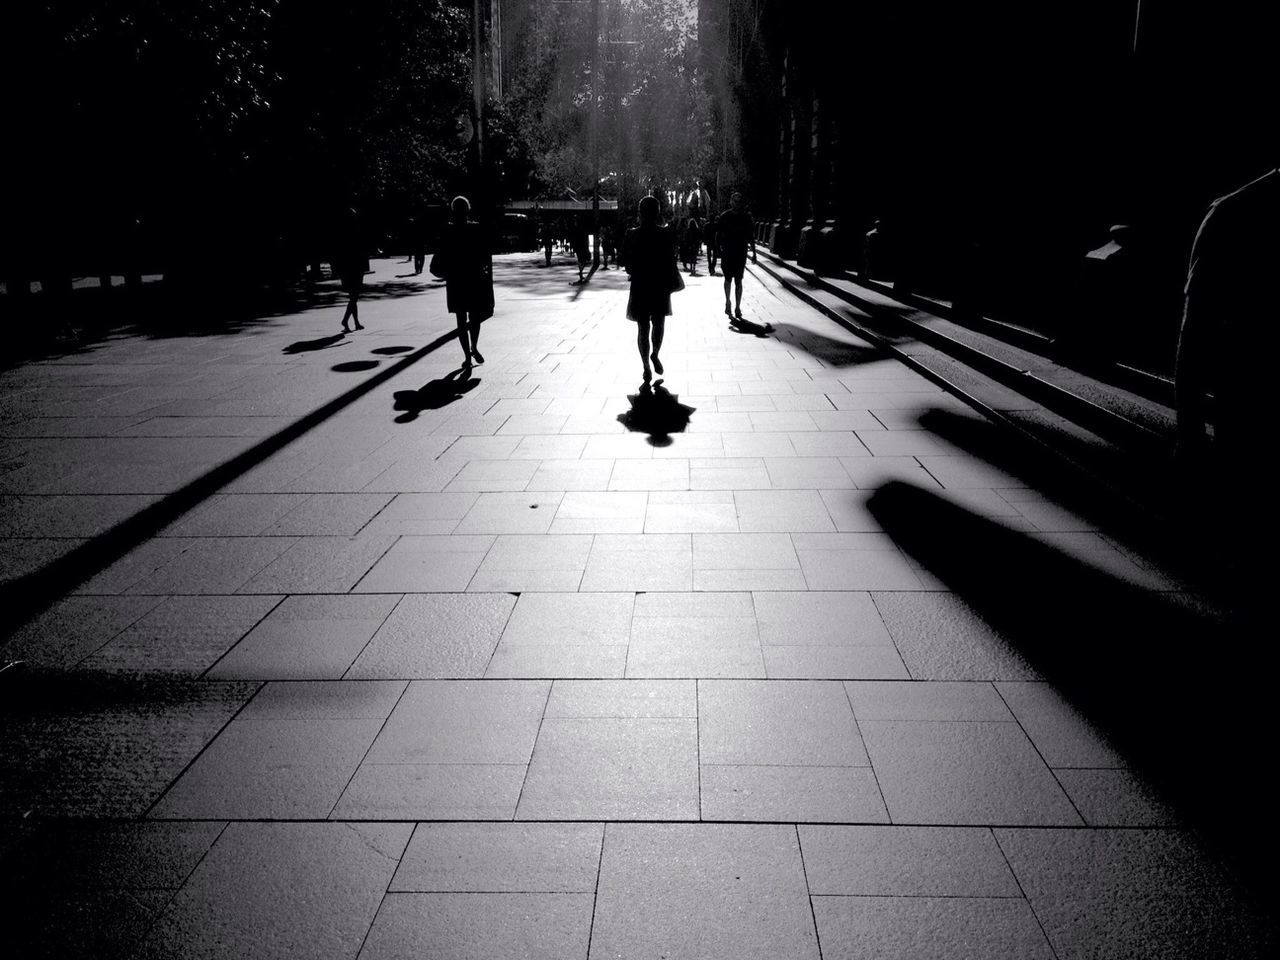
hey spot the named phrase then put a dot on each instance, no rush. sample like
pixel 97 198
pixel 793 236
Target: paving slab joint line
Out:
pixel 1030 906
pixel 24 598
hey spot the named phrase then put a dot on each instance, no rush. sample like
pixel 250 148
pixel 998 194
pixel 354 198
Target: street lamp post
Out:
pixel 595 132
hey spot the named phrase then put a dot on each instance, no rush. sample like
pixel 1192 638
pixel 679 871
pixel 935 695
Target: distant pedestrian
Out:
pixel 465 263
pixel 581 248
pixel 350 263
pixel 690 244
pixel 608 246
pixel 548 236
pixel 735 233
pixel 649 256
pixel 418 243
pixel 709 238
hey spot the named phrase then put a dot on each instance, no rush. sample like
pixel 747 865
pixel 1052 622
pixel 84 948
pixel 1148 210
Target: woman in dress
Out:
pixel 650 261
pixel 465 264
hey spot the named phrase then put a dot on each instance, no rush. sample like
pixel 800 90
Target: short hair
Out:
pixel 460 204
pixel 649 207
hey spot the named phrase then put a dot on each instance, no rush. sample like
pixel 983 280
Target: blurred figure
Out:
pixel 465 264
pixel 1227 348
pixel 691 243
pixel 709 238
pixel 735 233
pixel 608 246
pixel 547 236
pixel 1226 344
pixel 418 244
pixel 581 241
pixel 650 259
pixel 350 263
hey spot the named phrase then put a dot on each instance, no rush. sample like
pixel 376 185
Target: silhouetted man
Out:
pixel 735 233
pixel 1226 345
pixel 1227 348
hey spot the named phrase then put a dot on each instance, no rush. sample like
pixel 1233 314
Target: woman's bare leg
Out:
pixel 659 330
pixel 475 341
pixel 464 336
pixel 642 341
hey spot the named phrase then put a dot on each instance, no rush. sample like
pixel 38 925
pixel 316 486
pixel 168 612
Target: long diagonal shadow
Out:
pixel 23 598
pixel 1129 658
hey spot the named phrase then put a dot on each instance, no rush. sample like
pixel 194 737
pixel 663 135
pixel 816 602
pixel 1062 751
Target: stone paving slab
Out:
pixel 503 677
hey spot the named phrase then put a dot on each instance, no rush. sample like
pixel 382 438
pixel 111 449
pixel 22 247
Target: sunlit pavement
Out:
pixel 524 661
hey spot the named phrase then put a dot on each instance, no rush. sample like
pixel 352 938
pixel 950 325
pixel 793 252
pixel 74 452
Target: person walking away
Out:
pixel 692 244
pixel 418 238
pixel 709 238
pixel 465 263
pixel 350 264
pixel 581 248
pixel 735 232
pixel 548 238
pixel 608 246
pixel 649 257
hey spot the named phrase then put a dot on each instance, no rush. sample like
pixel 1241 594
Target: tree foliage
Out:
pixel 653 128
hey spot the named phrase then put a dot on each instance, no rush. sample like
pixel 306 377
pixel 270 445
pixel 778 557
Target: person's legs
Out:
pixel 464 336
pixel 727 281
pixel 737 296
pixel 642 342
pixel 659 329
pixel 475 341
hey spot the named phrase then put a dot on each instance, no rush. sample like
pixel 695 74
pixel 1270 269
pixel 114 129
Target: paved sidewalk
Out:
pixel 527 663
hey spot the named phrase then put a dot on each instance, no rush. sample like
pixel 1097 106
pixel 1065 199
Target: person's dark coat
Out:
pixel 465 264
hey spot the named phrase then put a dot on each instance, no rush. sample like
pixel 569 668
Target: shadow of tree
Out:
pixel 658 412
pixel 434 394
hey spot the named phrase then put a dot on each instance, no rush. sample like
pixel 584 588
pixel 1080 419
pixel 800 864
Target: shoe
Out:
pixel 657 364
pixel 477 356
pixel 738 314
pixel 345 328
pixel 359 325
pixel 466 362
pixel 728 311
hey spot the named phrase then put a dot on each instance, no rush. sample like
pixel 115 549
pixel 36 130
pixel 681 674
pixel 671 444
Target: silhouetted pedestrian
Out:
pixel 690 244
pixel 608 246
pixel 581 241
pixel 1227 348
pixel 650 258
pixel 1223 344
pixel 465 264
pixel 735 233
pixel 350 263
pixel 418 243
pixel 548 236
pixel 709 238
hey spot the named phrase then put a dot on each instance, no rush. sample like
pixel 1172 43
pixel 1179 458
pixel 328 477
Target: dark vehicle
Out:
pixel 517 233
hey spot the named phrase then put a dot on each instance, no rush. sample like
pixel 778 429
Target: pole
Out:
pixel 595 134
pixel 477 108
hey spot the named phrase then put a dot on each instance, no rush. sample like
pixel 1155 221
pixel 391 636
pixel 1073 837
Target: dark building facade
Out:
pixel 994 142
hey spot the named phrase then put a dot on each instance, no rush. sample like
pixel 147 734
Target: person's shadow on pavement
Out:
pixel 658 412
pixel 434 395
pixel 306 346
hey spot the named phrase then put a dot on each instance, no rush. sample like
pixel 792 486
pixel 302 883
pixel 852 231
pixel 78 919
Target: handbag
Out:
pixel 437 268
pixel 675 282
